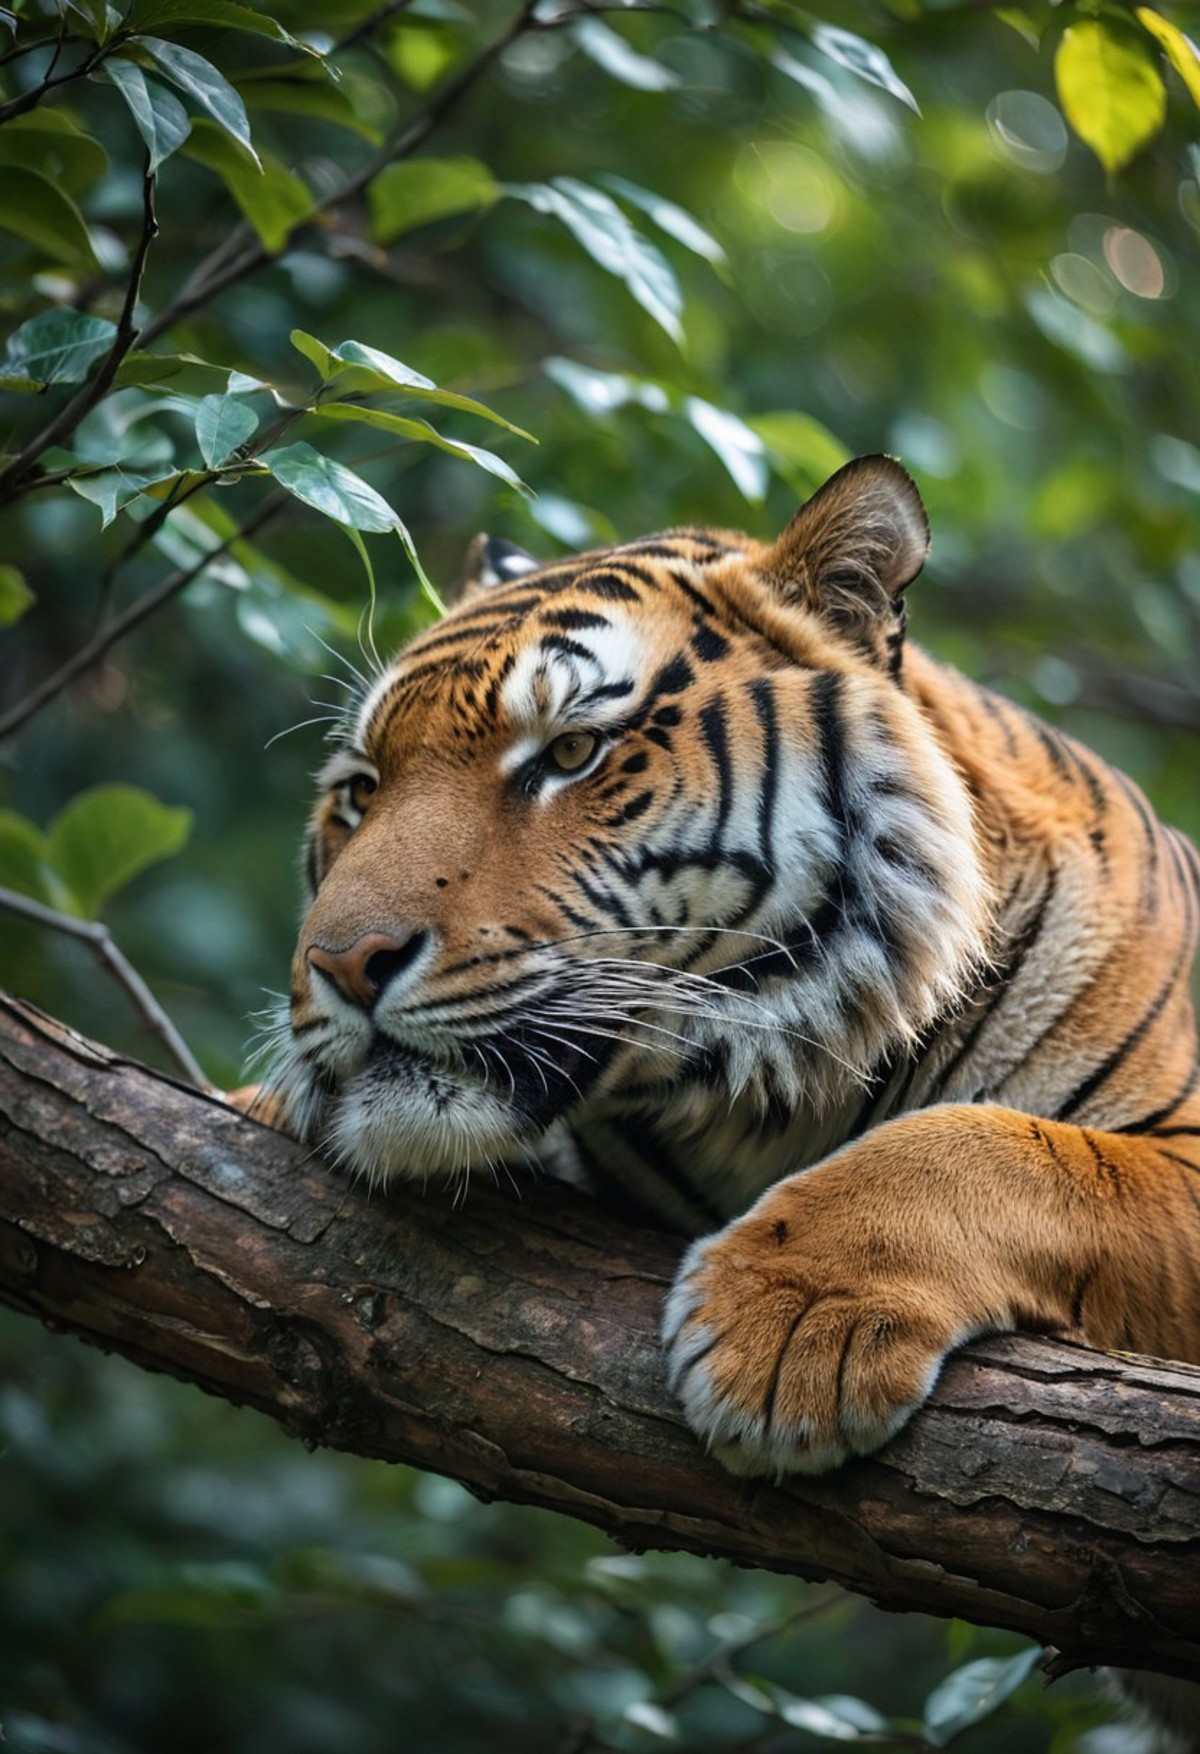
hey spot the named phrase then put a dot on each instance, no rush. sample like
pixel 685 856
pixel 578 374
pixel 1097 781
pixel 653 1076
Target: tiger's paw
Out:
pixel 783 1369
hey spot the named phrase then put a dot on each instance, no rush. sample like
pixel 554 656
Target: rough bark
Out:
pixel 512 1343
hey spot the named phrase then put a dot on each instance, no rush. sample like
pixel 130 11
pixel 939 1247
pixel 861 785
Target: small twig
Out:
pixel 111 958
pixel 12 479
pixel 132 617
pixel 29 100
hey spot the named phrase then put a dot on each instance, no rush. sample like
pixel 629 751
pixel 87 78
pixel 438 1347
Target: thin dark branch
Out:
pixel 137 612
pixel 12 479
pixel 29 100
pixel 370 25
pixel 100 939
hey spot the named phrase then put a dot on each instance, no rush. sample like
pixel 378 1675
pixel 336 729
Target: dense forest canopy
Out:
pixel 291 308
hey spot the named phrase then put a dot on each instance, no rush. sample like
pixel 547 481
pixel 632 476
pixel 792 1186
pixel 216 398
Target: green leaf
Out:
pixel 104 837
pixel 309 96
pixel 205 85
pixel 160 118
pixel 45 217
pixel 1110 89
pixel 598 224
pixel 23 862
pixel 15 595
pixel 974 1692
pixel 365 369
pixel 738 445
pixel 222 424
pixel 864 58
pixel 420 430
pixel 420 190
pixel 272 198
pixel 214 15
pixel 58 346
pixel 1180 51
pixel 330 488
pixel 676 221
pixel 801 443
pixel 611 52
pixel 113 489
pixel 48 141
pixel 598 392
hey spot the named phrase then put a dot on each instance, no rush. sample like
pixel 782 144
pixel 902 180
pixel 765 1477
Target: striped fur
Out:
pixel 820 953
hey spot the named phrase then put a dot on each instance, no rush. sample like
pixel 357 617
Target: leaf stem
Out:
pixel 113 959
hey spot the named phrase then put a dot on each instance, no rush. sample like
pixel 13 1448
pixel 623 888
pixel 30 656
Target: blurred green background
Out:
pixel 896 243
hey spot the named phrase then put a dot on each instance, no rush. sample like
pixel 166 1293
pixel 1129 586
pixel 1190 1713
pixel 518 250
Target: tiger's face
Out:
pixel 653 828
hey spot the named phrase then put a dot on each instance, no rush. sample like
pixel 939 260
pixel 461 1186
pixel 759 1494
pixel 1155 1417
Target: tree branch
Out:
pixel 514 1346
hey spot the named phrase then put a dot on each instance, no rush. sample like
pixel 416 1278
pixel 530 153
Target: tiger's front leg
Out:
pixel 810 1329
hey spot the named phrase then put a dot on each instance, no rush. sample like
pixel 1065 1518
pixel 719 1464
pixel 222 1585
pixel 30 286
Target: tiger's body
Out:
pixel 672 865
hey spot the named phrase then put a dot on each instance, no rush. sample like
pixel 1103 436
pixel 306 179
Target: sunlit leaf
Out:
pixel 738 445
pixel 595 221
pixel 330 488
pixel 34 209
pixel 160 118
pixel 864 58
pixel 801 444
pixel 404 426
pixel 420 190
pixel 598 392
pixel 58 346
pixel 205 85
pixel 1110 89
pixel 15 595
pixel 271 197
pixel 669 217
pixel 973 1692
pixel 610 50
pixel 363 369
pixel 105 837
pixel 1180 51
pixel 222 424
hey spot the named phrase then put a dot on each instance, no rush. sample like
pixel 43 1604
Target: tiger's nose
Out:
pixel 362 971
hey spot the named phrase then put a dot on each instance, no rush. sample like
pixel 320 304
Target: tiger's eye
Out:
pixel 571 751
pixel 361 788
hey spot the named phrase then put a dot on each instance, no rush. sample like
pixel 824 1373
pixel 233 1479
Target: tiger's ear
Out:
pixel 850 551
pixel 490 561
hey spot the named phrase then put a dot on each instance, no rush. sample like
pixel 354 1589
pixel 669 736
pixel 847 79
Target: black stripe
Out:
pixel 763 696
pixel 991 1000
pixel 714 730
pixel 1087 1089
pixel 1150 1123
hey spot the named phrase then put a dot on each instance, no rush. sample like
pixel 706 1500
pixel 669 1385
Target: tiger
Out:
pixel 676 868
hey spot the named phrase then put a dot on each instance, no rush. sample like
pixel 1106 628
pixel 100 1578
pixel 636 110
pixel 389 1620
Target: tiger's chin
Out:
pixel 401 1118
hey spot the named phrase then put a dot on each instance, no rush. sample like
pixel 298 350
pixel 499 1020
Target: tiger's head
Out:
pixel 653 828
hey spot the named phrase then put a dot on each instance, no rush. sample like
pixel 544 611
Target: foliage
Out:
pixel 700 253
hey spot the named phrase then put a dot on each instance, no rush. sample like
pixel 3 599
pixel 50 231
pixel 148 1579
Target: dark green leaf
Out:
pixel 58 346
pixel 406 427
pixel 330 488
pixel 205 85
pixel 161 119
pixel 49 142
pixel 222 424
pixel 311 97
pixel 104 837
pixel 23 861
pixel 112 489
pixel 973 1692
pixel 212 15
pixel 362 369
pixel 34 209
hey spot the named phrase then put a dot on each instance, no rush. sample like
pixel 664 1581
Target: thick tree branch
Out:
pixel 513 1344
